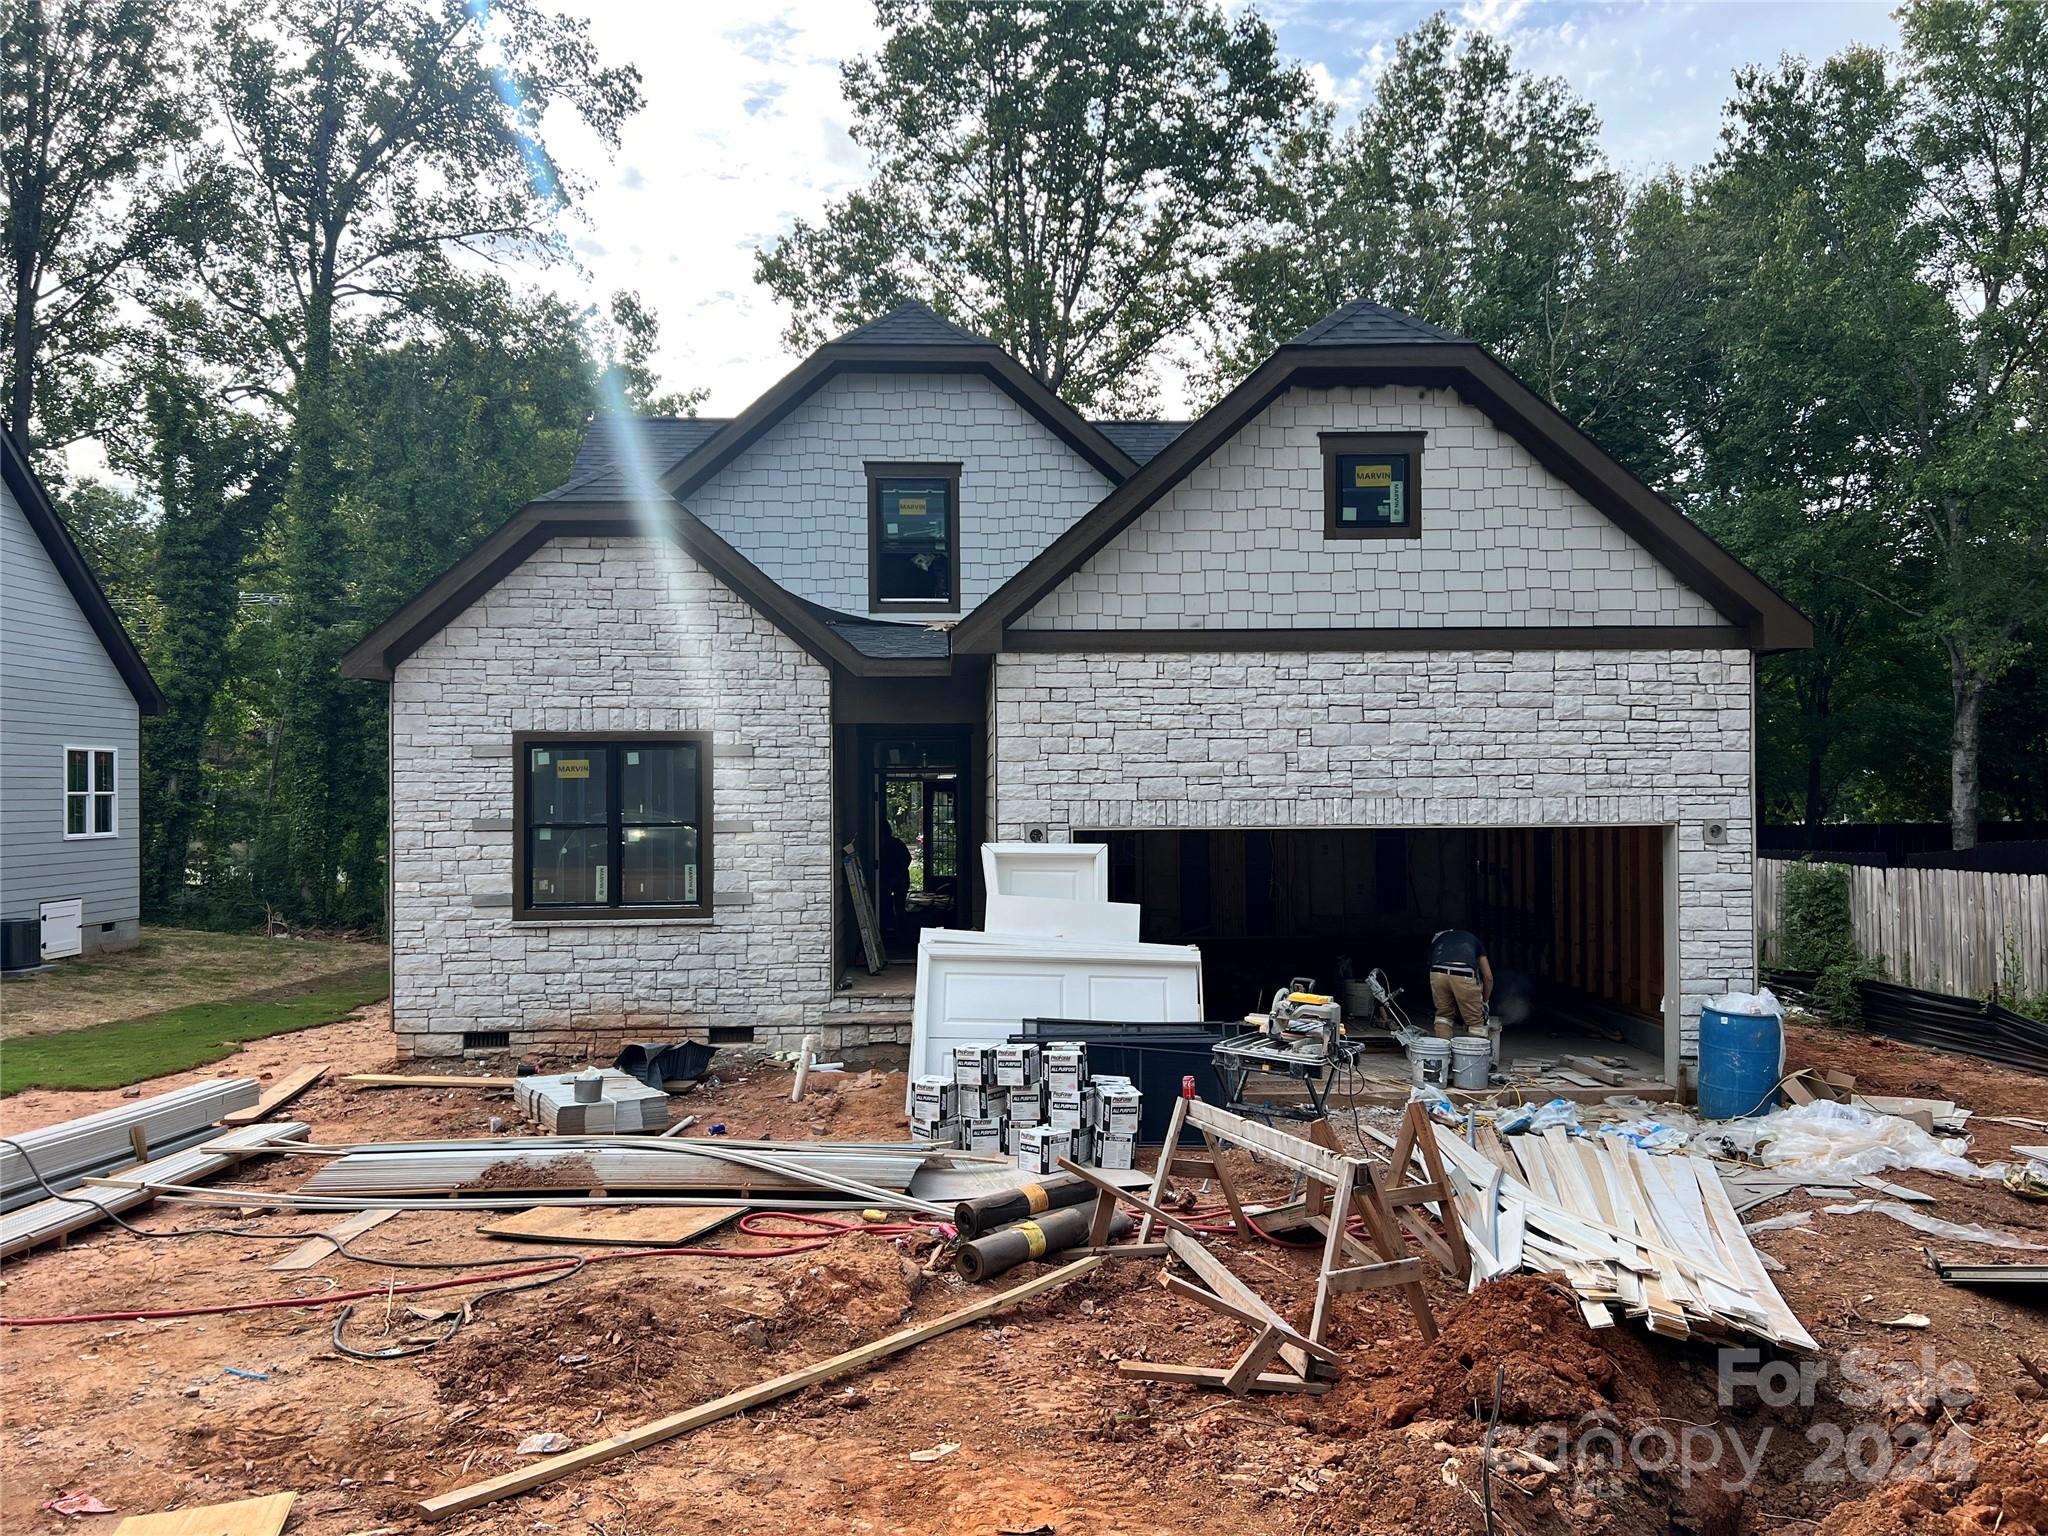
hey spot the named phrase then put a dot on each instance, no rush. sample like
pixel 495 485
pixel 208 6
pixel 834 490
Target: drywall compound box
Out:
pixel 1016 1066
pixel 973 1065
pixel 1063 1111
pixel 1066 1067
pixel 932 1099
pixel 1040 1148
pixel 1116 1151
pixel 982 1135
pixel 980 1103
pixel 1116 1110
pixel 1027 1105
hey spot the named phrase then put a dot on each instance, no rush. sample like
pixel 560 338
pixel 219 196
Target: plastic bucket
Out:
pixel 1471 1061
pixel 1429 1063
pixel 1742 1056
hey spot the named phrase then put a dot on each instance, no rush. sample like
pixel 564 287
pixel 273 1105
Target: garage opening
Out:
pixel 1574 920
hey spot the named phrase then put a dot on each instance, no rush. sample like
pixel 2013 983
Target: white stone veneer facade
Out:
pixel 608 635
pixel 1229 739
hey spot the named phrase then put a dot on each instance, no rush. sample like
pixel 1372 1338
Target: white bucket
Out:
pixel 1429 1063
pixel 1471 1060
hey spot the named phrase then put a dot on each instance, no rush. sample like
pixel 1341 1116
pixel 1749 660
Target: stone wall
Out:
pixel 1132 741
pixel 611 635
pixel 796 502
pixel 1240 543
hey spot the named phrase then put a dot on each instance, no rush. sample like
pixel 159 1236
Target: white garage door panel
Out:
pixel 981 987
pixel 1063 871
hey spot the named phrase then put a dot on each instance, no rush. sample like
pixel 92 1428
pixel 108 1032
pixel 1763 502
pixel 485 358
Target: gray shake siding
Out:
pixel 1240 544
pixel 1115 742
pixel 796 502
pixel 59 689
pixel 608 635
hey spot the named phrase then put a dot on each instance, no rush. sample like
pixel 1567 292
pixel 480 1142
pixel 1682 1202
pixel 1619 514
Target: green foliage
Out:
pixel 1816 933
pixel 135 1050
pixel 2012 989
pixel 1058 175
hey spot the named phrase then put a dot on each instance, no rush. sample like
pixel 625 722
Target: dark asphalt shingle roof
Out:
pixel 1141 439
pixel 882 640
pixel 912 324
pixel 1362 323
pixel 600 472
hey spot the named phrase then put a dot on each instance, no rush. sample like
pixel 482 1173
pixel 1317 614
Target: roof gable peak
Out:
pixel 1364 323
pixel 912 323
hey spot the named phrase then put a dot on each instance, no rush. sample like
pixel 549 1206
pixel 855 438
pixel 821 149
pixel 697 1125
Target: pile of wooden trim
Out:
pixel 67 1153
pixel 1649 1237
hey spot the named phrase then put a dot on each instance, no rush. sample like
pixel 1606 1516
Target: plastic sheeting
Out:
pixel 1827 1143
pixel 1934 1226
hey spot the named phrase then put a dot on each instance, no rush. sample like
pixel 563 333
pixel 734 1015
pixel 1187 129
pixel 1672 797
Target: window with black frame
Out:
pixel 914 537
pixel 614 826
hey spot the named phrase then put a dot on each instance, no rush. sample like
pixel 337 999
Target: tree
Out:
pixel 1476 196
pixel 94 101
pixel 373 139
pixel 1059 175
pixel 628 382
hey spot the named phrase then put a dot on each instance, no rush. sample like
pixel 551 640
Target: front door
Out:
pixel 915 832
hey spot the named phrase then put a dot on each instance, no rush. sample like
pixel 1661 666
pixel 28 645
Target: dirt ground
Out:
pixel 170 968
pixel 156 1414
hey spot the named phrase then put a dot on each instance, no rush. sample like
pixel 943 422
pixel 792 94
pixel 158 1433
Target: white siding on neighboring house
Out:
pixel 1240 543
pixel 608 635
pixel 796 502
pixel 59 689
pixel 1108 741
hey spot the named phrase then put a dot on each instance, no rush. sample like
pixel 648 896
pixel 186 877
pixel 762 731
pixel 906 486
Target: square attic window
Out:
pixel 913 538
pixel 1372 485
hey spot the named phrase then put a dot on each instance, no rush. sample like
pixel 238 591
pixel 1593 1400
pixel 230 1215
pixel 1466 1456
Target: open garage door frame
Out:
pixel 1590 909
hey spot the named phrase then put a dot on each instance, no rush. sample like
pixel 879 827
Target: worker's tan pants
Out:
pixel 1457 998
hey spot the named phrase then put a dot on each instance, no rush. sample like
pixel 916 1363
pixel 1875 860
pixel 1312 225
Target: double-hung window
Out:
pixel 913 538
pixel 612 825
pixel 1372 485
pixel 90 806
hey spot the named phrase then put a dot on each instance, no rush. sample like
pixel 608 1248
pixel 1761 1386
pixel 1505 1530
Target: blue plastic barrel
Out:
pixel 1741 1058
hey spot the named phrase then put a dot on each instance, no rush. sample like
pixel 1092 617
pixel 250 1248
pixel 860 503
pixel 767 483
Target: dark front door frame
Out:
pixel 867 834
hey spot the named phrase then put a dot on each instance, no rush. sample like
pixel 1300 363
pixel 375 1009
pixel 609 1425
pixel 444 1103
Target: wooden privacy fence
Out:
pixel 1943 930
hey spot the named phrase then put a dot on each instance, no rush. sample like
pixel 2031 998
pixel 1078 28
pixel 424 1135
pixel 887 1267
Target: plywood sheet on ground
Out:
pixel 244 1517
pixel 643 1226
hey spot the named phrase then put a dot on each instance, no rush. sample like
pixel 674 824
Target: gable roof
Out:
pixel 911 338
pixel 604 471
pixel 444 599
pixel 85 588
pixel 1404 350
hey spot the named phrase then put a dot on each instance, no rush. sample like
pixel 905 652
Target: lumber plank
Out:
pixel 1295 1152
pixel 263 1516
pixel 1219 1277
pixel 423 1080
pixel 316 1248
pixel 1212 1376
pixel 667 1428
pixel 1374 1277
pixel 657 1226
pixel 1128 1196
pixel 281 1093
pixel 1164 1168
pixel 1251 1364
pixel 1228 1308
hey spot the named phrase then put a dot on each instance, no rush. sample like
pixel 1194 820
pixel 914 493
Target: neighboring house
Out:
pixel 1378 642
pixel 72 688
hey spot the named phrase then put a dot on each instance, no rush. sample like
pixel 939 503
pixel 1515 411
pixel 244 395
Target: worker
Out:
pixel 895 881
pixel 1460 982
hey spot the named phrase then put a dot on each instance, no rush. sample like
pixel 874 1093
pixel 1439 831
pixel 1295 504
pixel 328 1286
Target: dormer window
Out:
pixel 1372 485
pixel 914 538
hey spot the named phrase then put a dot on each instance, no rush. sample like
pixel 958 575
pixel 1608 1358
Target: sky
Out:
pixel 744 131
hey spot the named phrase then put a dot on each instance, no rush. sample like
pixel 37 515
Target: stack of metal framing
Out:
pixel 67 1153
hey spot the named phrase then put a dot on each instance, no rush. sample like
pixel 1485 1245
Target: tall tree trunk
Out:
pixel 1966 689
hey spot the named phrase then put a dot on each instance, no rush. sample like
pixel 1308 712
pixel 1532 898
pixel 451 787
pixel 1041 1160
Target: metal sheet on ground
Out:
pixel 646 1226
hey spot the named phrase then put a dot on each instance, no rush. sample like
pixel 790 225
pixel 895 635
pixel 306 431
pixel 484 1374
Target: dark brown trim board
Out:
pixel 1767 620
pixel 456 588
pixel 1587 637
pixel 877 474
pixel 522 909
pixel 78 577
pixel 1408 445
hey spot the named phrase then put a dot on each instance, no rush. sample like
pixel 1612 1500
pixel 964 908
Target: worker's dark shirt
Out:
pixel 1454 946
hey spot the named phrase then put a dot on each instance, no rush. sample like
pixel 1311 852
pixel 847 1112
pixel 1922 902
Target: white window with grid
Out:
pixel 90 776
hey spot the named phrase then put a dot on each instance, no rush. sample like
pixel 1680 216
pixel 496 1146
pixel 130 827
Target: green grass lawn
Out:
pixel 124 1051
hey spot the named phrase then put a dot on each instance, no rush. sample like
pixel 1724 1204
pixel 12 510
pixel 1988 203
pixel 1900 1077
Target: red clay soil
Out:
pixel 147 1416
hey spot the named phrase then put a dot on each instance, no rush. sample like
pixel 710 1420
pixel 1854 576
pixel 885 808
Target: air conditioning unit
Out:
pixel 21 943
